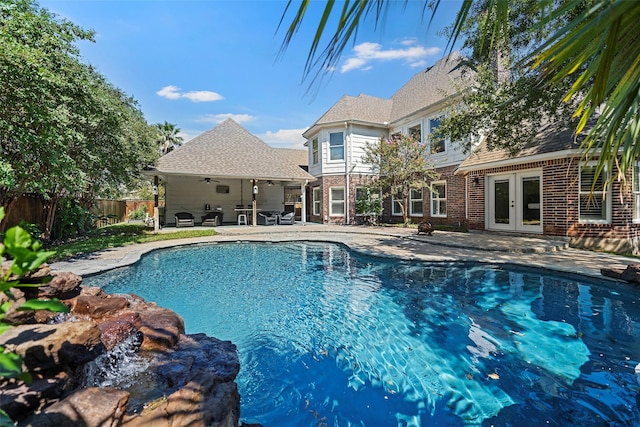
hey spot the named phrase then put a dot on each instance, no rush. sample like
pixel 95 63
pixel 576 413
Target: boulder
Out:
pixel 54 347
pixel 63 285
pixel 200 373
pixel 19 398
pixel 161 327
pixel 97 306
pixel 89 407
pixel 116 329
pixel 630 274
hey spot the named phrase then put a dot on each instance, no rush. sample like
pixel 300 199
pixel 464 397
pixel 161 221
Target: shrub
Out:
pixel 26 256
pixel 71 219
pixel 139 213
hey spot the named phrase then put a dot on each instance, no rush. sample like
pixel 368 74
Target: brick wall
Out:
pixel 560 200
pixel 456 200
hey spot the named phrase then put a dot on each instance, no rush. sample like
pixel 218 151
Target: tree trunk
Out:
pixel 50 217
pixel 405 209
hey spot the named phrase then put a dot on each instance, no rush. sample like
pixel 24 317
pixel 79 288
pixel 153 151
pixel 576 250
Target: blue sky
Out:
pixel 195 63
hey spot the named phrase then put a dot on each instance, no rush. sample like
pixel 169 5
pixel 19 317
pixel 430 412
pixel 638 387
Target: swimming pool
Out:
pixel 328 337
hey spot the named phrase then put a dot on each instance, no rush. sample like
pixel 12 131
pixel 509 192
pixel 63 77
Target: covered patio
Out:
pixel 227 172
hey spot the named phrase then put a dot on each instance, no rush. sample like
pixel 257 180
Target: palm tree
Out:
pixel 598 48
pixel 168 137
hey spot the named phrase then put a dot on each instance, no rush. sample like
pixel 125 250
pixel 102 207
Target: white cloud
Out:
pixel 203 96
pixel 173 92
pixel 169 92
pixel 352 64
pixel 367 52
pixel 219 118
pixel 284 138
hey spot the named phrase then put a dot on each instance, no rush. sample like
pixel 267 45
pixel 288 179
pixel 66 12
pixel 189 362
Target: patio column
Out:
pixel 156 212
pixel 254 214
pixel 303 200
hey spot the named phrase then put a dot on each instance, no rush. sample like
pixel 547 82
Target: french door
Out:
pixel 515 202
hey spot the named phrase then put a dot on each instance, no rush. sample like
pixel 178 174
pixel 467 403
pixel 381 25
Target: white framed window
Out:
pixel 314 151
pixel 636 191
pixel 336 201
pixel 439 198
pixel 415 132
pixel 316 201
pixel 415 202
pixel 336 146
pixel 594 206
pixel 395 206
pixel 437 143
pixel 361 193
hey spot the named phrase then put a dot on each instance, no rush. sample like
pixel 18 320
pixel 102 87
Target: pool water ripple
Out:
pixel 331 338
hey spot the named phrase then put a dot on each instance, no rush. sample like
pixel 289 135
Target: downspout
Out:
pixel 347 143
pixel 156 211
pixel 303 205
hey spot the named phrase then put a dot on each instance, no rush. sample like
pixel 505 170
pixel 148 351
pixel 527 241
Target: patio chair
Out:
pixel 212 219
pixel 287 218
pixel 184 219
pixel 267 218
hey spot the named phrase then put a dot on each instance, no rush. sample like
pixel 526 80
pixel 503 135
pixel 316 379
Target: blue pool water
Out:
pixel 327 337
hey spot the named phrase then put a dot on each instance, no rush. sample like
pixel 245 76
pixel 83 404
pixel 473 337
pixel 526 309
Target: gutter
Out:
pixel 462 170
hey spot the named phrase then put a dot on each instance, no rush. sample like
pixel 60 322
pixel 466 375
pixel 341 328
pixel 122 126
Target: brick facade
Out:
pixel 560 202
pixel 456 200
pixel 325 183
pixel 456 203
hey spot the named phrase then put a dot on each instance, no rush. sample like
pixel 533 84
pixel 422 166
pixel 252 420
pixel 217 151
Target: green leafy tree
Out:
pixel 64 130
pixel 400 164
pixel 369 205
pixel 168 137
pixel 588 51
pixel 508 105
pixel 26 256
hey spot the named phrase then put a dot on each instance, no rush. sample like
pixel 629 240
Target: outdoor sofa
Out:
pixel 287 218
pixel 212 219
pixel 267 218
pixel 184 219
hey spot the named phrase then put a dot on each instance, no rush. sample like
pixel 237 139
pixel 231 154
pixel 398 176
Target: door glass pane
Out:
pixel 531 200
pixel 501 204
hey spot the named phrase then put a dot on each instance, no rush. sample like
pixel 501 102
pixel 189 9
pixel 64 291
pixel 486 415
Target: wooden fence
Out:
pixel 26 208
pixel 31 210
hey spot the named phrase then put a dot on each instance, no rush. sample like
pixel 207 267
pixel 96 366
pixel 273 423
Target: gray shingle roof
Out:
pixel 230 151
pixel 363 108
pixel 548 140
pixel 432 85
pixel 426 88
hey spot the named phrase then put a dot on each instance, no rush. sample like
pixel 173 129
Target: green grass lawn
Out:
pixel 118 235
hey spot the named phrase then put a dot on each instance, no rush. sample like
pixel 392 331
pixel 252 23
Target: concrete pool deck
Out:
pixel 394 242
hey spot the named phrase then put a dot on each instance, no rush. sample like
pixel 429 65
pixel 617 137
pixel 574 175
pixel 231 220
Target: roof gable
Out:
pixel 229 150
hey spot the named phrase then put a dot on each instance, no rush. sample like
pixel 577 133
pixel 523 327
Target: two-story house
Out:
pixel 337 140
pixel 547 188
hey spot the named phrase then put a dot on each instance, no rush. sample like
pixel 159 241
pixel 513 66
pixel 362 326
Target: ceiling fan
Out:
pixel 207 180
